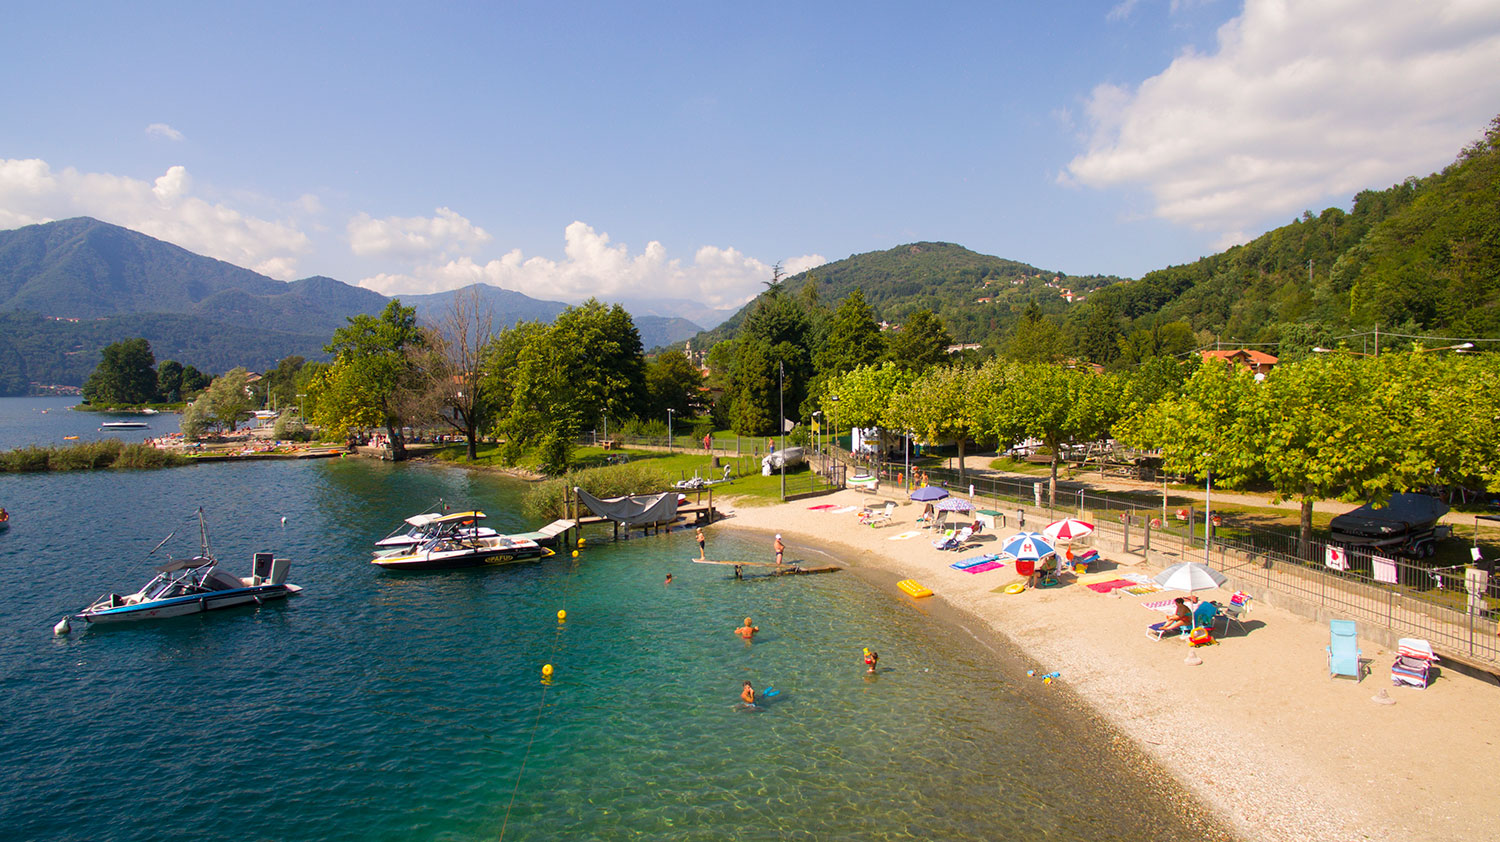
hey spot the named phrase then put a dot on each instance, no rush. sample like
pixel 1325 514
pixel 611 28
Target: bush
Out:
pixel 145 456
pixel 290 428
pixel 86 456
pixel 547 500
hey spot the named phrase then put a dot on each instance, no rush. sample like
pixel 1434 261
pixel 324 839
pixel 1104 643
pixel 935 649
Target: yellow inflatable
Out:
pixel 1015 587
pixel 911 587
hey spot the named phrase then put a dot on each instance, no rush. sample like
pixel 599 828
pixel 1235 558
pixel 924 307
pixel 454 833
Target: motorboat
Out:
pixel 458 551
pixel 419 529
pixel 193 586
pixel 124 425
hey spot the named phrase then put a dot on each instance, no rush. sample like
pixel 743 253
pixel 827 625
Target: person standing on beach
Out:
pixel 780 548
pixel 701 541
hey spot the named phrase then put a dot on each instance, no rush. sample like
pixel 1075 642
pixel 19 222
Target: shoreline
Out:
pixel 1258 733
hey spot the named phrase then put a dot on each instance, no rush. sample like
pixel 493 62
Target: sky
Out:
pixel 660 150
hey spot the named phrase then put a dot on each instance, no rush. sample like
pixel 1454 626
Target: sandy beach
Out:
pixel 1258 731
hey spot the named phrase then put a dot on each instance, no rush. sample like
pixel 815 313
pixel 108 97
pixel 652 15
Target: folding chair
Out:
pixel 1413 665
pixel 1235 610
pixel 1343 649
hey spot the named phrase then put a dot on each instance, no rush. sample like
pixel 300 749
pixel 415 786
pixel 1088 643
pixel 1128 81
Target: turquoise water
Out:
pixel 385 706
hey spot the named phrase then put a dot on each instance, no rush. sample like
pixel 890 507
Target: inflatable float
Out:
pixel 913 589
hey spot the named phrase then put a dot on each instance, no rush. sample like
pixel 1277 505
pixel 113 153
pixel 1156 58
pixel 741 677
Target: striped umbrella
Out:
pixel 954 504
pixel 1068 530
pixel 1027 546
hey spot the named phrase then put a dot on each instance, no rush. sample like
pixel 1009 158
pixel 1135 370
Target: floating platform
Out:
pixel 780 569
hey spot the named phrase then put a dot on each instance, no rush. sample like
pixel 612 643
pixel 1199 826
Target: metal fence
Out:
pixel 1422 601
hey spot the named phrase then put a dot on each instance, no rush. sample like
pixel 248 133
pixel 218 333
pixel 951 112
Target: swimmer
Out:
pixel 871 659
pixel 669 579
pixel 747 631
pixel 780 548
pixel 700 543
pixel 747 695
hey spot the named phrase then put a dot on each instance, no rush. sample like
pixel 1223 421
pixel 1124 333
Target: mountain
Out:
pixel 508 306
pixel 977 296
pixel 679 308
pixel 661 331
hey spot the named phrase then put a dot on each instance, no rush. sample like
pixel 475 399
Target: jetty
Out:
pixel 789 569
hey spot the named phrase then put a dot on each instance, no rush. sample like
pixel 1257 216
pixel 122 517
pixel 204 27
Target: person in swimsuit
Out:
pixel 701 541
pixel 747 694
pixel 669 579
pixel 747 631
pixel 871 659
pixel 780 548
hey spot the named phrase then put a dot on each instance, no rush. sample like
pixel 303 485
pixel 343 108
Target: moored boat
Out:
pixel 427 526
pixel 455 552
pixel 124 425
pixel 193 586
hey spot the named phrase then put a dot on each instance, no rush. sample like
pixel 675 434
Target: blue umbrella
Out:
pixel 1027 546
pixel 928 493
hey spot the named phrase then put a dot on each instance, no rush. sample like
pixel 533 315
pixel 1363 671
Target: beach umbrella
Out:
pixel 928 493
pixel 954 504
pixel 1027 546
pixel 1190 576
pixel 1068 530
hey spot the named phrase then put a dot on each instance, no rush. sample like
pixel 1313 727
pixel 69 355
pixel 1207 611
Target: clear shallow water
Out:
pixel 381 706
pixel 44 421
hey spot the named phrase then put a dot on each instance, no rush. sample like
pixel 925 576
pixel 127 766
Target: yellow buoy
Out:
pixel 580 542
pixel 546 670
pixel 575 554
pixel 562 616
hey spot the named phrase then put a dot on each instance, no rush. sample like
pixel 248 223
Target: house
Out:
pixel 1259 362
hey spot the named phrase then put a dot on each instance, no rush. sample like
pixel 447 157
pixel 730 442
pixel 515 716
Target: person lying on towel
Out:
pixel 1182 616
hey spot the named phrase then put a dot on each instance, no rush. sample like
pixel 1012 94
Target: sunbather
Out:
pixel 1182 616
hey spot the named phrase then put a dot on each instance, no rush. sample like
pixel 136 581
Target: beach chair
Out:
pixel 1343 649
pixel 1233 611
pixel 872 518
pixel 938 521
pixel 1413 665
pixel 953 541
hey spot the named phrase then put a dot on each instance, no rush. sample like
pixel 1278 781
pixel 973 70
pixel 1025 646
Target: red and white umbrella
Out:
pixel 1068 530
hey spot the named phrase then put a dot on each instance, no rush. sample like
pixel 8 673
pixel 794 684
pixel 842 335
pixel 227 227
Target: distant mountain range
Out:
pixel 69 288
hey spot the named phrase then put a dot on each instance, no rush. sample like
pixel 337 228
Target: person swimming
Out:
pixel 669 579
pixel 748 630
pixel 747 694
pixel 871 660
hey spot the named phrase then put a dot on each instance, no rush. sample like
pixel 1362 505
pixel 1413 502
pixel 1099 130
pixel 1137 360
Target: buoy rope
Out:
pixel 542 702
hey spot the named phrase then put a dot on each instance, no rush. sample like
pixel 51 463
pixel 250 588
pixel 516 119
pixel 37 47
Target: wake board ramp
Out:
pixel 641 511
pixel 551 534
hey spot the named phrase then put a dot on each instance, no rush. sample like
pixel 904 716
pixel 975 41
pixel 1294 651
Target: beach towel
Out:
pixel 964 564
pixel 1099 577
pixel 1384 569
pixel 1142 590
pixel 817 508
pixel 1106 587
pixel 985 567
pixel 1160 605
pixel 843 510
pixel 905 535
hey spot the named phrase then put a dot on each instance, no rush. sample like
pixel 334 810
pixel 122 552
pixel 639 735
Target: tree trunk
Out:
pixel 398 443
pixel 471 441
pixel 1052 486
pixel 961 459
pixel 1304 534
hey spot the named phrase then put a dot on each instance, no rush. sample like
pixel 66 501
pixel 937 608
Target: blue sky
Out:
pixel 679 149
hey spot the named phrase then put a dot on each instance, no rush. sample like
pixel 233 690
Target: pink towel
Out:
pixel 1106 587
pixel 1160 605
pixel 824 506
pixel 988 565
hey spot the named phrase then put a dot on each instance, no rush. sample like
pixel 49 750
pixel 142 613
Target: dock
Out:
pixel 792 569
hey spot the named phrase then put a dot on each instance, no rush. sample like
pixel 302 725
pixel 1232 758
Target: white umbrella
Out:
pixel 1190 576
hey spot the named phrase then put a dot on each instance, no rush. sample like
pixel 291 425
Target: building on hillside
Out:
pixel 1258 362
pixel 963 346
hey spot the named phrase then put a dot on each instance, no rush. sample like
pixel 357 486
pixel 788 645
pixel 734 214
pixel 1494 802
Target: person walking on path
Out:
pixel 780 548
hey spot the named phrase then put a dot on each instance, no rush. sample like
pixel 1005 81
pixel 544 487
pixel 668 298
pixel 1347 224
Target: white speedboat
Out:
pixel 419 529
pixel 193 586
pixel 456 551
pixel 124 425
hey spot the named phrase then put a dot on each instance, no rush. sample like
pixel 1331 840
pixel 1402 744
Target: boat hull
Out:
pixel 461 561
pixel 180 606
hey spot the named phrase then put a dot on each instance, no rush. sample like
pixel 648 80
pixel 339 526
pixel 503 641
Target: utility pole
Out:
pixel 781 421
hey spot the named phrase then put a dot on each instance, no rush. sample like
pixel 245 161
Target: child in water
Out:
pixel 747 695
pixel 871 659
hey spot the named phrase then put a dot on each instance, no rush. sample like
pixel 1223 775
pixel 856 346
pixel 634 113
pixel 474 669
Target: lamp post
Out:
pixel 781 421
pixel 669 429
pixel 1208 512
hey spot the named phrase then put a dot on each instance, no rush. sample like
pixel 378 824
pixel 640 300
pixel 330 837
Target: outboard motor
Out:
pixel 279 568
pixel 260 568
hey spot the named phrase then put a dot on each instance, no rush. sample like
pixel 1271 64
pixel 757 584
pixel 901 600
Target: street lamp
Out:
pixel 669 429
pixel 781 421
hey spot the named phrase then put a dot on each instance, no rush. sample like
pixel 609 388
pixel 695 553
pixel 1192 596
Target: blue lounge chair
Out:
pixel 1343 649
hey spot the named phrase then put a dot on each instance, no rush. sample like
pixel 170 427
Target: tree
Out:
pixel 376 373
pixel 772 368
pixel 939 406
pixel 1054 404
pixel 853 338
pixel 169 381
pixel 455 371
pixel 673 383
pixel 863 397
pixel 281 382
pixel 221 407
pixel 1035 339
pixel 125 375
pixel 193 380
pixel 600 349
pixel 920 343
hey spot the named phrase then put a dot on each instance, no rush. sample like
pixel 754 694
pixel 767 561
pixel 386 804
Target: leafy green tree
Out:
pixel 772 368
pixel 281 382
pixel 379 377
pixel 125 375
pixel 1035 339
pixel 853 338
pixel 673 383
pixel 336 399
pixel 193 380
pixel 169 381
pixel 920 343
pixel 755 388
pixel 940 405
pixel 600 349
pixel 221 407
pixel 1056 405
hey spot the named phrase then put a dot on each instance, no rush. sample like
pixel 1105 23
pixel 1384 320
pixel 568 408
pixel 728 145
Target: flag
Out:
pixel 1385 569
pixel 1336 558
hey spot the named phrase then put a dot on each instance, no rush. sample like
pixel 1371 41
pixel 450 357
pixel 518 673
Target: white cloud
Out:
pixel 593 266
pixel 31 193
pixel 1300 103
pixel 163 130
pixel 415 238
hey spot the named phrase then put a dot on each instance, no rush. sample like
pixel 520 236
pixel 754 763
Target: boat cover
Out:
pixel 642 508
pixel 1403 513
